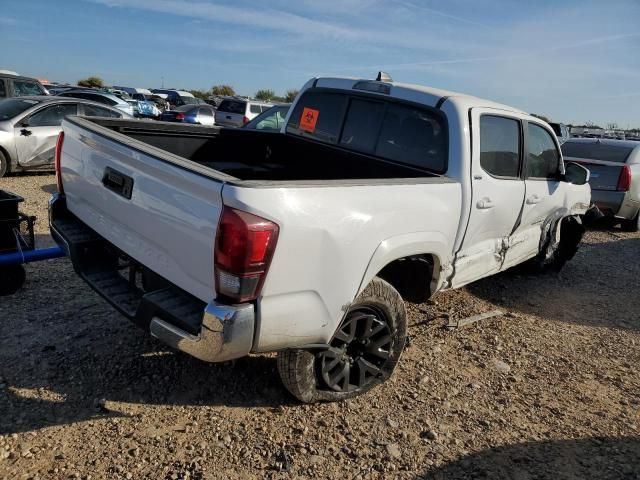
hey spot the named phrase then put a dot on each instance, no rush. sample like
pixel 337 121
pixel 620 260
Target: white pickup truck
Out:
pixel 225 242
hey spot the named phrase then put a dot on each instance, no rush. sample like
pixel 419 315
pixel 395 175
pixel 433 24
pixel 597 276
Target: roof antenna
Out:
pixel 383 77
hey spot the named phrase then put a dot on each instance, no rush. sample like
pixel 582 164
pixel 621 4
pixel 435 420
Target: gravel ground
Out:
pixel 550 390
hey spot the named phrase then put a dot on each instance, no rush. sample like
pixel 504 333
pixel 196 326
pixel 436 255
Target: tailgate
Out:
pixel 228 119
pixel 160 214
pixel 604 175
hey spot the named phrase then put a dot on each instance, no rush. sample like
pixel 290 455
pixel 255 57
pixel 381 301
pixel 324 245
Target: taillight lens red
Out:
pixel 56 161
pixel 624 180
pixel 179 116
pixel 243 250
pixel 245 120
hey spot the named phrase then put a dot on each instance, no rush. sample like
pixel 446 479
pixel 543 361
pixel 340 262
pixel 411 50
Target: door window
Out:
pixel 94 111
pixel 52 116
pixel 500 146
pixel 22 88
pixel 543 159
pixel 3 89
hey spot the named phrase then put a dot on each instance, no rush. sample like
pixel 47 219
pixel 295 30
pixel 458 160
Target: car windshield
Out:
pixel 232 106
pixel 597 151
pixel 189 100
pixel 271 119
pixel 14 106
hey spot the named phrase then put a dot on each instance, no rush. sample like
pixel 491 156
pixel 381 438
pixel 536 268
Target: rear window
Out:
pixel 232 106
pixel 405 134
pixel 597 151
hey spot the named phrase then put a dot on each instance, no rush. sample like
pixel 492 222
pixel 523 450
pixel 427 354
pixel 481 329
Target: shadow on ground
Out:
pixel 577 294
pixel 600 458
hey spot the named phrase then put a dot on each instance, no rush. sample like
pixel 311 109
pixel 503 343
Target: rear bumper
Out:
pixel 212 332
pixel 609 202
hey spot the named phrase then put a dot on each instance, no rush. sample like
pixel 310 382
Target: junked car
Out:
pixel 100 97
pixel 14 85
pixel 201 114
pixel 29 127
pixel 236 112
pixel 221 242
pixel 615 176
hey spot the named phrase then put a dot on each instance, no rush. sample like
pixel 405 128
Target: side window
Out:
pixel 543 158
pixel 3 89
pixel 94 111
pixel 255 109
pixel 22 88
pixel 500 146
pixel 52 116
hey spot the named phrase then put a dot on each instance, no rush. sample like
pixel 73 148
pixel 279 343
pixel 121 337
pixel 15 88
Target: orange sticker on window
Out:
pixel 309 119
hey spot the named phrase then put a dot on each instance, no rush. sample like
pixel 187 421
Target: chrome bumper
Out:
pixel 226 333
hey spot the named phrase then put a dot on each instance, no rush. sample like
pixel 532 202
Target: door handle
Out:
pixel 25 133
pixel 533 199
pixel 485 204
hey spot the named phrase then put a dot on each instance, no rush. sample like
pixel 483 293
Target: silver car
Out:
pixel 29 128
pixel 105 98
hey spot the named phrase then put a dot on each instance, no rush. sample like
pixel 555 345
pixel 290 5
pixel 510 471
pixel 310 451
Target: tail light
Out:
pixel 624 180
pixel 56 161
pixel 245 120
pixel 243 250
pixel 179 116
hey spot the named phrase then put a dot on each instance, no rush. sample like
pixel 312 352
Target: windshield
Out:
pixel 15 106
pixel 189 100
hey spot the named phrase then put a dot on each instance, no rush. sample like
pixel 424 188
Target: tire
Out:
pixel 12 277
pixel 4 165
pixel 554 255
pixel 632 225
pixel 362 354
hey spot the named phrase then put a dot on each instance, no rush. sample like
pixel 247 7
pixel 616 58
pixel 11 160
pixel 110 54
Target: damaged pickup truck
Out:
pixel 224 242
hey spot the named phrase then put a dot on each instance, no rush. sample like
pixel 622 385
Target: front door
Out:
pixel 544 192
pixel 498 194
pixel 36 135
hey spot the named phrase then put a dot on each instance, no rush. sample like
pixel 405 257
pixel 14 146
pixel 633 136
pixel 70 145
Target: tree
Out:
pixel 290 95
pixel 199 94
pixel 541 117
pixel 91 82
pixel 265 95
pixel 223 90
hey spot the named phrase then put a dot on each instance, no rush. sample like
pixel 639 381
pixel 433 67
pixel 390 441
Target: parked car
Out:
pixel 561 131
pixel 19 86
pixel 177 98
pixel 234 112
pixel 198 114
pixel 270 120
pixel 615 176
pixel 29 127
pixel 143 108
pixel 307 242
pixel 100 97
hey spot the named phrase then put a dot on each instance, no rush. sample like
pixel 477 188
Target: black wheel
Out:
pixel 12 277
pixel 632 225
pixel 555 254
pixel 4 165
pixel 363 352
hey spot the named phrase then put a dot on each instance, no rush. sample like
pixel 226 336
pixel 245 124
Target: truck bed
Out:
pixel 254 155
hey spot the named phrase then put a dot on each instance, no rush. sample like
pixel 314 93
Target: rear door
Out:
pixel 36 136
pixel 231 113
pixel 498 193
pixel 544 192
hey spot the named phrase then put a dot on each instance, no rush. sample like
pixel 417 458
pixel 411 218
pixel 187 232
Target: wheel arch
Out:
pixel 422 256
pixel 11 162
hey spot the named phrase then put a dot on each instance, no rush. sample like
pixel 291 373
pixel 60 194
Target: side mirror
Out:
pixel 576 173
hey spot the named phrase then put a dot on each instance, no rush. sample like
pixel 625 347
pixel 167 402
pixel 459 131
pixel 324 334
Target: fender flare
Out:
pixel 405 245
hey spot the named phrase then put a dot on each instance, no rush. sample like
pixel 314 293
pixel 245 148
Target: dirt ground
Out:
pixel 550 390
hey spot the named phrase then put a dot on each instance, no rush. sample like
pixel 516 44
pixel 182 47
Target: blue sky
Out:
pixel 574 61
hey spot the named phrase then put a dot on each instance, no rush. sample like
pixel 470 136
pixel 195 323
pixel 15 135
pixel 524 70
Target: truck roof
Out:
pixel 405 91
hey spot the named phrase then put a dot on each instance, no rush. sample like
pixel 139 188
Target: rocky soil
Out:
pixel 549 390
